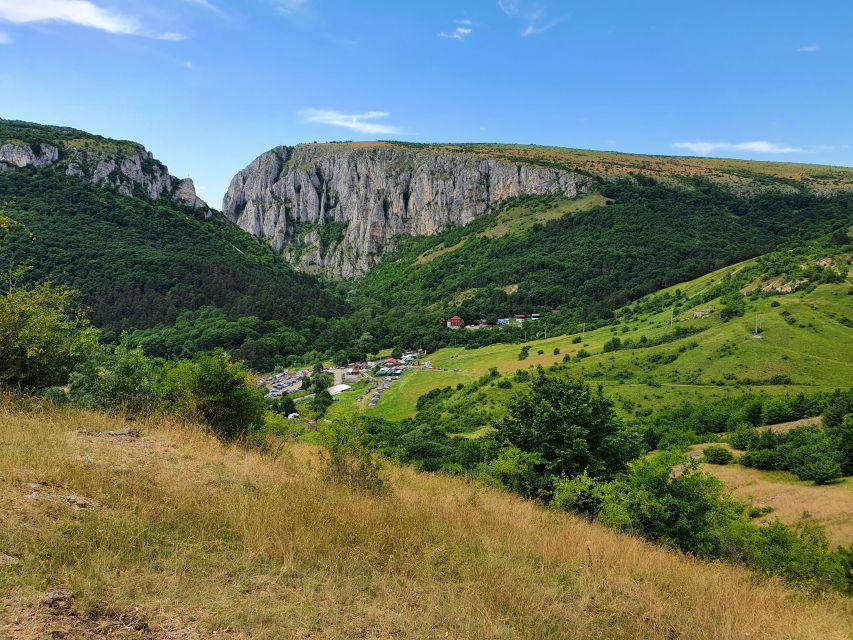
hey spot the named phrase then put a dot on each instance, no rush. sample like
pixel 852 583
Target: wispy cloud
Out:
pixel 460 32
pixel 534 16
pixel 206 4
pixel 5 38
pixel 754 146
pixel 359 122
pixel 809 48
pixel 79 12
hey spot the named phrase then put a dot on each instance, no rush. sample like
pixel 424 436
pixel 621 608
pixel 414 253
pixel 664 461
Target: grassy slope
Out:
pixel 200 540
pixel 816 353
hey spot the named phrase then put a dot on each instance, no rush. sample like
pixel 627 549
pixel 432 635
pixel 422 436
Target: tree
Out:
pixel 283 405
pixel 218 392
pixel 42 338
pixel 571 428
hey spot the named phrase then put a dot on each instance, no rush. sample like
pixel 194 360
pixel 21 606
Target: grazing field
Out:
pixel 793 500
pixel 167 533
pixel 804 345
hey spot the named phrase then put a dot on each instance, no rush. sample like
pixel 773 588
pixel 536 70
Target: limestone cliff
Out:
pixel 334 208
pixel 125 166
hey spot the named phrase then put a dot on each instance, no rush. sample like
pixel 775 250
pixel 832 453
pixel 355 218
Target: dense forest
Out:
pixel 139 263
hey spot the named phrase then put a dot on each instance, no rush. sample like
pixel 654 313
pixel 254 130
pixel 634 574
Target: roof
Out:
pixel 456 318
pixel 338 388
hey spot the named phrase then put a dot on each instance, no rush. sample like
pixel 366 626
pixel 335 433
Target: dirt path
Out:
pixel 785 427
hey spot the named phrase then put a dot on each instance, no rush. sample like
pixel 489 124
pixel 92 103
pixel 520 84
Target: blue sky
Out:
pixel 208 85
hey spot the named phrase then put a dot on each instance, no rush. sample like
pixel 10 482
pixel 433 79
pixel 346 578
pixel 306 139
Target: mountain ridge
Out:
pixel 339 208
pixel 126 166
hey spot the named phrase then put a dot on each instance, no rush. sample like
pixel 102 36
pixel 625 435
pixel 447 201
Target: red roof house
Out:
pixel 455 323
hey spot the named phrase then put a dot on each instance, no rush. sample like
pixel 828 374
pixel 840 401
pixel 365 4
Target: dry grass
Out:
pixel 197 539
pixel 793 500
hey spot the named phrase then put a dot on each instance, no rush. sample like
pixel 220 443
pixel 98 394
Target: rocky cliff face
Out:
pixel 335 208
pixel 127 167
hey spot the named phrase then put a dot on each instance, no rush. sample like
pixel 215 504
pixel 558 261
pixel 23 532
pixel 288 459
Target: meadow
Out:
pixel 181 536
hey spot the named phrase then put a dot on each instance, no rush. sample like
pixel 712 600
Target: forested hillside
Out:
pixel 141 262
pixel 541 253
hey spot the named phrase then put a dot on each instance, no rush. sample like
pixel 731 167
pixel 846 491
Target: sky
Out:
pixel 208 85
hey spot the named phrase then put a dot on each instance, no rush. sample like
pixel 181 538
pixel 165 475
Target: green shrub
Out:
pixel 217 392
pixel 346 457
pixel 121 379
pixel 42 338
pixel 715 454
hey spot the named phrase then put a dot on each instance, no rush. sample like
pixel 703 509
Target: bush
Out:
pixel 715 454
pixel 346 457
pixel 580 494
pixel 42 339
pixel 556 351
pixel 121 379
pixel 217 392
pixel 822 470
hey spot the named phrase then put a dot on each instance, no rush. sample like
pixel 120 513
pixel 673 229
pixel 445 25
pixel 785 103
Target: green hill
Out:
pixel 664 354
pixel 589 256
pixel 141 262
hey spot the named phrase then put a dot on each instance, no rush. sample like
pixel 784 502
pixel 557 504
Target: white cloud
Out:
pixel 360 122
pixel 188 64
pixel 460 32
pixel 5 38
pixel 79 12
pixel 809 48
pixel 532 14
pixel 754 146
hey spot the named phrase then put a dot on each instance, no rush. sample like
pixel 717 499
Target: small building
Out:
pixel 535 316
pixel 503 321
pixel 338 388
pixel 555 312
pixel 455 323
pixel 520 318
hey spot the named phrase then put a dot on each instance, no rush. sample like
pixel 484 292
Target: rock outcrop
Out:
pixel 335 208
pixel 127 167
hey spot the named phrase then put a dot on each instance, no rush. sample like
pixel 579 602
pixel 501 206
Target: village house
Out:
pixel 455 323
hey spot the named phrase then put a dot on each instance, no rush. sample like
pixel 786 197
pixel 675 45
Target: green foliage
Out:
pixel 570 429
pixel 216 391
pixel 347 458
pixel 665 498
pixel 516 470
pixel 42 338
pixel 283 405
pixel 684 507
pixel 715 454
pixel 321 403
pixel 734 305
pixel 120 379
pixel 139 264
pixel 581 494
pixel 809 452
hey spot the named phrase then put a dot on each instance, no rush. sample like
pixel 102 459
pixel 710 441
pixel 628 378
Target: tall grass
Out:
pixel 196 536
